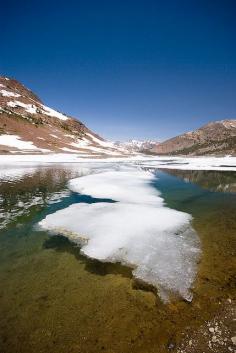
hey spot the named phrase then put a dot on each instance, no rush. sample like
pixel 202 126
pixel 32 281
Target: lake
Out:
pixel 53 298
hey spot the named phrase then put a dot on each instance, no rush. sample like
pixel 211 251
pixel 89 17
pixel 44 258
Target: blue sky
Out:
pixel 127 69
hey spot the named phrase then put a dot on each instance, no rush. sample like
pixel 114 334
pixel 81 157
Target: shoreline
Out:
pixel 227 163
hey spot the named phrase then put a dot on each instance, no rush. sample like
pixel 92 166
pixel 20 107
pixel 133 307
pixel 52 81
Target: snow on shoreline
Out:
pixel 134 230
pixel 226 163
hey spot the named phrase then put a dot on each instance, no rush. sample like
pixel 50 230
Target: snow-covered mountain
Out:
pixel 29 126
pixel 137 145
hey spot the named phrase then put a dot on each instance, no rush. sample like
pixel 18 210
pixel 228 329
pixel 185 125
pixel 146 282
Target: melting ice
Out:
pixel 159 243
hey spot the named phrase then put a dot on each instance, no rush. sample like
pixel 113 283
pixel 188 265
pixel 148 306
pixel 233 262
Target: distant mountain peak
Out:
pixel 137 145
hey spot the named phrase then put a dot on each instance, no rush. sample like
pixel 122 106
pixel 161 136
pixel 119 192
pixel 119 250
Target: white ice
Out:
pixel 227 163
pixel 138 230
pixel 130 185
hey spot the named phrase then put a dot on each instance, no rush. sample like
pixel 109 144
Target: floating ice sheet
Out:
pixel 138 229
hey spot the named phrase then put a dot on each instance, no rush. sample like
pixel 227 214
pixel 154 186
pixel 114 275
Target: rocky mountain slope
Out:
pixel 29 126
pixel 218 138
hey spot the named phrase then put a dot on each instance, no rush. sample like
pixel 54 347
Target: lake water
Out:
pixel 54 299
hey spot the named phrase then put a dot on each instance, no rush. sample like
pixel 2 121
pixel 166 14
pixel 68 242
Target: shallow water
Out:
pixel 53 299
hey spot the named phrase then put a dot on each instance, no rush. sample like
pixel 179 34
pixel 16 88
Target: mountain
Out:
pixel 29 126
pixel 140 146
pixel 218 138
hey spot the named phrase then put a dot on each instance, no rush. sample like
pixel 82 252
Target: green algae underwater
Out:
pixel 53 299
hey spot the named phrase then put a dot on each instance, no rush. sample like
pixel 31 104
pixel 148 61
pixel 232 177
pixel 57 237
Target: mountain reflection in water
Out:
pixel 212 180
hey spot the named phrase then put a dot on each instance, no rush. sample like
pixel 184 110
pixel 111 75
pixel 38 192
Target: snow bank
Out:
pixel 30 108
pixel 227 163
pixel 5 93
pixel 100 142
pixel 15 141
pixel 79 144
pixel 138 230
pixel 65 149
pixel 86 144
pixel 51 112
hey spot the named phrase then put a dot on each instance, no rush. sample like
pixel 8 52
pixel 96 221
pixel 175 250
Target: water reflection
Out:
pixel 211 180
pixel 23 189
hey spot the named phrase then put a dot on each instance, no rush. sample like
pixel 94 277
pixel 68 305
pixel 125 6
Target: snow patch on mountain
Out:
pixel 99 141
pixel 51 112
pixel 5 93
pixel 15 141
pixel 29 108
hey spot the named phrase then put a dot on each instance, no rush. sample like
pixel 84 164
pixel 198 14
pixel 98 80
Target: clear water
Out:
pixel 52 299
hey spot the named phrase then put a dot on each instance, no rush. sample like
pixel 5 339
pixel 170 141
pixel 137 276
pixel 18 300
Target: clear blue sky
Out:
pixel 127 69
